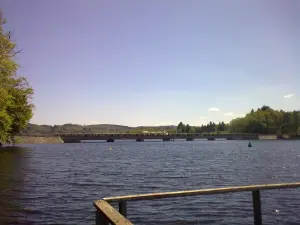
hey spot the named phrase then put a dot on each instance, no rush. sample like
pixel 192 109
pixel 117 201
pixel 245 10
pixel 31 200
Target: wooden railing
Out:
pixel 106 214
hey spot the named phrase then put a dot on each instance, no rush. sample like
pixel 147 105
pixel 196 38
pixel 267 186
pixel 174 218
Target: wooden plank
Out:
pixel 111 215
pixel 201 192
pixel 256 207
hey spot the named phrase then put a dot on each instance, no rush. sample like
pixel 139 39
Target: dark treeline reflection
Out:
pixel 12 174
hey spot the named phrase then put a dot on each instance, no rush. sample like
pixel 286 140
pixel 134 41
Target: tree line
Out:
pixel 211 127
pixel 264 120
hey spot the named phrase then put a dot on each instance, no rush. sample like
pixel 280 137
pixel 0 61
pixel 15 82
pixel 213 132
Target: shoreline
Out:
pixel 37 140
pixel 57 139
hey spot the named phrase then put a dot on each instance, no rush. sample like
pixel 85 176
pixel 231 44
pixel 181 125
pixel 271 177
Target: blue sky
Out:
pixel 156 62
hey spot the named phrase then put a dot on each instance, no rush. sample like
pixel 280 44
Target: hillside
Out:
pixel 34 129
pixel 264 120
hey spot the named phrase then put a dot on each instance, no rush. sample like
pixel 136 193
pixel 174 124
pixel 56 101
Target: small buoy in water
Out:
pixel 110 148
pixel 249 145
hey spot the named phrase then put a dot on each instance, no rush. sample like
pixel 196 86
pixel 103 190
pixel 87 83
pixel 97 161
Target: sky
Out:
pixel 156 62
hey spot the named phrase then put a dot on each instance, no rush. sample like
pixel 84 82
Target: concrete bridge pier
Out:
pixel 110 140
pixel 139 140
pixel 72 141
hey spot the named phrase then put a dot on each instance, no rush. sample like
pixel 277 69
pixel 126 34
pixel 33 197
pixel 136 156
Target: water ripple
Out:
pixel 56 184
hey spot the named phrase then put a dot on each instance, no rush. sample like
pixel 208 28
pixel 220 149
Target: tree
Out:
pixel 192 130
pixel 16 94
pixel 180 128
pixel 221 126
pixel 265 108
pixel 187 128
pixel 296 121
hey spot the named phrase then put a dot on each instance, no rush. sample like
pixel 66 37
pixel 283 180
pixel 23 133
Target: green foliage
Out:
pixel 266 120
pixel 211 127
pixel 192 130
pixel 180 128
pixel 15 102
pixel 187 128
pixel 222 127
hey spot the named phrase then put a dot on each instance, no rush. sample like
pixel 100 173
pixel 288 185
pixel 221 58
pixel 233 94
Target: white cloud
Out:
pixel 202 118
pixel 94 122
pixel 229 114
pixel 289 96
pixel 214 109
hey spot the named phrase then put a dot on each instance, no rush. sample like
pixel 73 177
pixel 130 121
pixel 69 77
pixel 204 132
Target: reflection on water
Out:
pixel 12 173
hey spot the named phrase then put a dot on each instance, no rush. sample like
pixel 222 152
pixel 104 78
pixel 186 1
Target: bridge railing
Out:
pixel 146 134
pixel 155 134
pixel 106 214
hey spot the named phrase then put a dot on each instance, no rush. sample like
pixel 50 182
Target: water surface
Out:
pixel 56 184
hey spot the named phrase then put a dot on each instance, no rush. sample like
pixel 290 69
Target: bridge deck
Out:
pixel 166 137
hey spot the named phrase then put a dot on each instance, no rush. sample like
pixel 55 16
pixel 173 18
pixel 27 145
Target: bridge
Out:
pixel 77 138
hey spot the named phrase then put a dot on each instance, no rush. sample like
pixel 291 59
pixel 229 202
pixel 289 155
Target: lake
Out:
pixel 56 184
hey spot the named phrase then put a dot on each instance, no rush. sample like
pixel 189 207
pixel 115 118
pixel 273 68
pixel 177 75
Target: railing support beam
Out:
pixel 123 208
pixel 100 220
pixel 256 207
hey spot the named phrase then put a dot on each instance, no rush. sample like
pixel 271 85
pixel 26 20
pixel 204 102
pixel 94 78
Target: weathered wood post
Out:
pixel 100 220
pixel 123 208
pixel 256 207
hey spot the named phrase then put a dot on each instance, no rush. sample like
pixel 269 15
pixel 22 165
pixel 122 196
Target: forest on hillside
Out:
pixel 34 129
